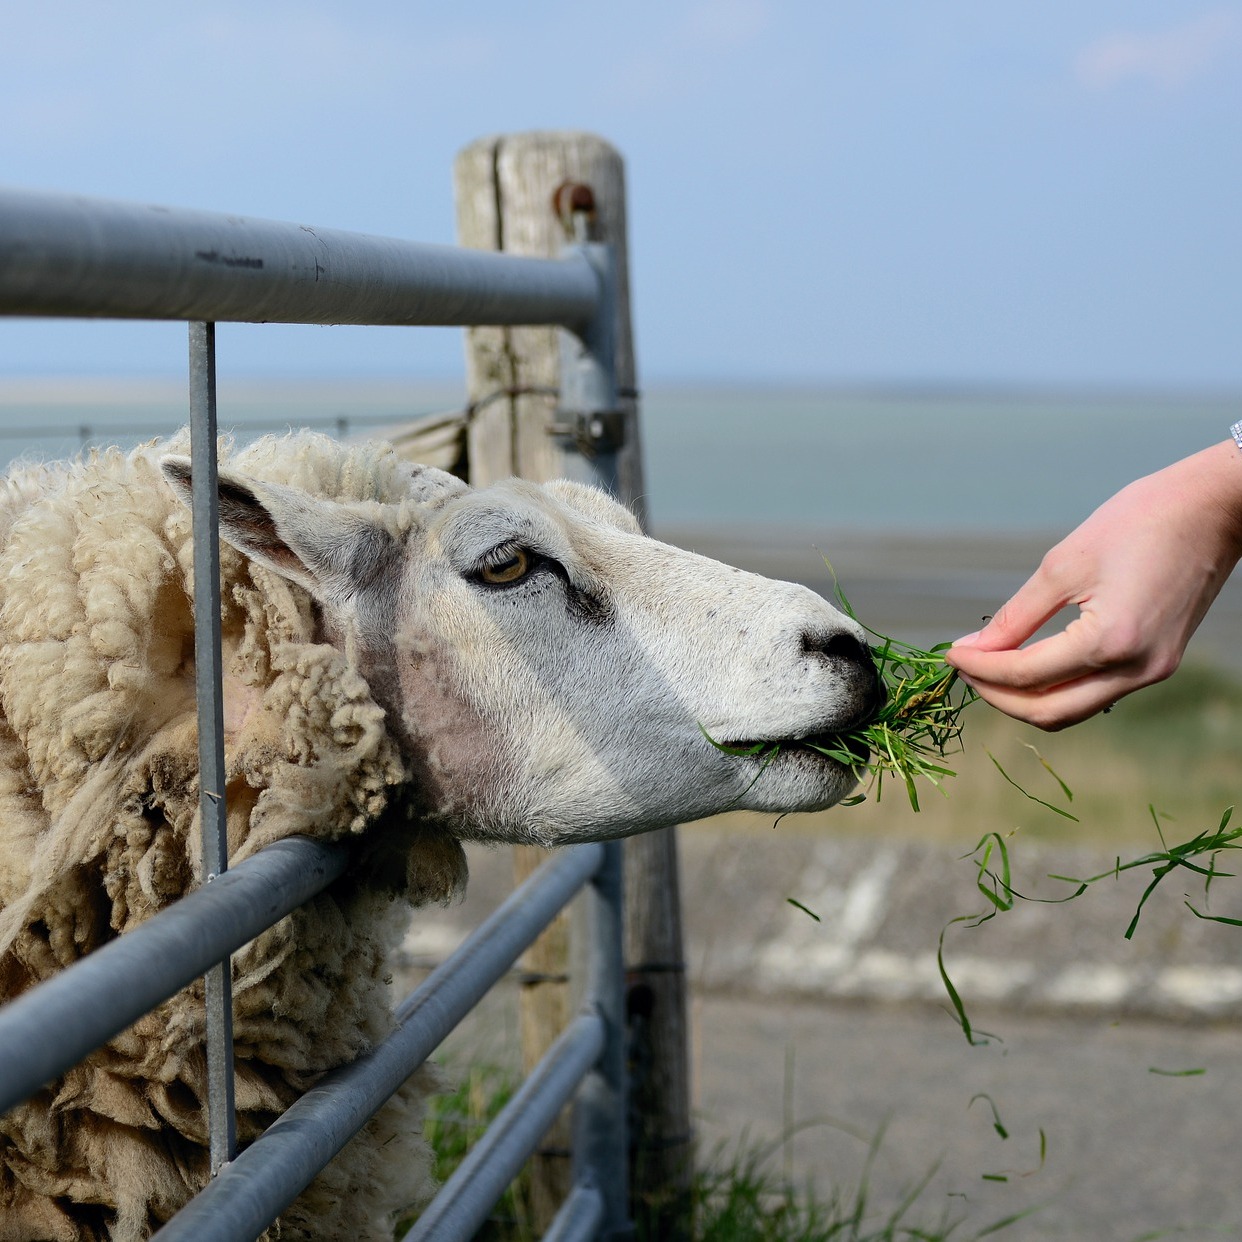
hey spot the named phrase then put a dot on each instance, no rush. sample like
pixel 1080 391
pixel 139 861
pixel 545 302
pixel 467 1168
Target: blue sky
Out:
pixel 900 193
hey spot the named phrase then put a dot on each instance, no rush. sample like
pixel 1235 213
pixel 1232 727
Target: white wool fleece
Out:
pixel 99 830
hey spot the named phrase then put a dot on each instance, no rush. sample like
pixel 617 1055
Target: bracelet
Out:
pixel 1236 432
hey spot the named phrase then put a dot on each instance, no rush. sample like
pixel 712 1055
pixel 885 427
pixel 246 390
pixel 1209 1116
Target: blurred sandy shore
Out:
pixel 925 587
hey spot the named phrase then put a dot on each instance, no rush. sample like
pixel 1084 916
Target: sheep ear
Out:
pixel 329 549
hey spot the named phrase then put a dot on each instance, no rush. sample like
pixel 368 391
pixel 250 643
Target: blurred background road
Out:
pixel 1126 1055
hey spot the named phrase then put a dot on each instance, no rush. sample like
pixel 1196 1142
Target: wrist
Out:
pixel 1219 473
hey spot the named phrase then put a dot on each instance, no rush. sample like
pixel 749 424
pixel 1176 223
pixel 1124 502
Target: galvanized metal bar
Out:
pixel 589 417
pixel 53 1026
pixel 252 1190
pixel 580 1217
pixel 63 254
pixel 601 1152
pixel 463 1203
pixel 209 688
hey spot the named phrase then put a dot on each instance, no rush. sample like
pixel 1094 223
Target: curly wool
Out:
pixel 99 830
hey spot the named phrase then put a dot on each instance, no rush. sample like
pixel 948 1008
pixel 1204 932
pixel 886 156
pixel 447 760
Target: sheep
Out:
pixel 409 663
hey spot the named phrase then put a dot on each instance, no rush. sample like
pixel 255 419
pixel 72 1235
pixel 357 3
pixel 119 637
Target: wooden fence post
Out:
pixel 505 187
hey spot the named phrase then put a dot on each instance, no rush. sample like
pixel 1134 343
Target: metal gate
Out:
pixel 62 255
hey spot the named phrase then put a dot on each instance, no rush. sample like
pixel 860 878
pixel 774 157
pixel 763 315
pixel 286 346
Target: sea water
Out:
pixel 998 462
pixel 738 458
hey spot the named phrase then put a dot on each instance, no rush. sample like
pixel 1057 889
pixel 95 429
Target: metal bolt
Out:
pixel 574 205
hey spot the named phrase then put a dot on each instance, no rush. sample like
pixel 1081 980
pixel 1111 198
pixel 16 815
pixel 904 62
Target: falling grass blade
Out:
pixel 1161 872
pixel 1065 789
pixel 987 843
pixel 954 997
pixel 996 1121
pixel 1213 918
pixel 1155 819
pixel 798 905
pixel 1027 794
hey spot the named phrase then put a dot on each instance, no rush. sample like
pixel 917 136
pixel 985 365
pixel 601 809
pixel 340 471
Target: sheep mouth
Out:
pixel 813 744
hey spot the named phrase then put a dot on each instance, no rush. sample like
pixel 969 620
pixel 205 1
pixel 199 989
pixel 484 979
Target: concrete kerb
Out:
pixel 881 907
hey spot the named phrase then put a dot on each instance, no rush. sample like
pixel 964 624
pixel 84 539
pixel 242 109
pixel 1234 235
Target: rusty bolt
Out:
pixel 572 198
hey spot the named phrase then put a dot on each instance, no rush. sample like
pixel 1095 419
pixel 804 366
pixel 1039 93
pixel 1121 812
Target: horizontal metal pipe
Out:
pixel 580 1217
pixel 65 255
pixel 252 1190
pixel 53 1026
pixel 460 1208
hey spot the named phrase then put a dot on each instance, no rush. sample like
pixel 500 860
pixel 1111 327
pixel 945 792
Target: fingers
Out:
pixel 1035 602
pixel 1071 675
pixel 1062 679
pixel 1043 665
pixel 1066 705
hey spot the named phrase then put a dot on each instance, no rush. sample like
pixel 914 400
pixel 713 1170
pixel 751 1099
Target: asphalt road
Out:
pixel 841 1030
pixel 1129 1153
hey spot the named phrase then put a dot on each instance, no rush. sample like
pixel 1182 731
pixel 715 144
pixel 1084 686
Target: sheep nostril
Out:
pixel 853 660
pixel 843 647
pixel 847 647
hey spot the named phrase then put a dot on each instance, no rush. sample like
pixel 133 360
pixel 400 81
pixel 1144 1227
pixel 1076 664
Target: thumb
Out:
pixel 1018 618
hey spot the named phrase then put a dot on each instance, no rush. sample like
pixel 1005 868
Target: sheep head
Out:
pixel 549 671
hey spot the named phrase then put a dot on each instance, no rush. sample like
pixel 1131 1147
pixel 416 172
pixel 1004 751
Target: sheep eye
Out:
pixel 511 567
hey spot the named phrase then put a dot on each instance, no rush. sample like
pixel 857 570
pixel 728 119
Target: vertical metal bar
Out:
pixel 601 1148
pixel 588 408
pixel 209 678
pixel 579 1218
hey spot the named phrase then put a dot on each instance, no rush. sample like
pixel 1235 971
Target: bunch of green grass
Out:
pixel 921 720
pixel 917 728
pixel 919 725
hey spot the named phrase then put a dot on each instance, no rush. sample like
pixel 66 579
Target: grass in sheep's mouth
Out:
pixel 918 726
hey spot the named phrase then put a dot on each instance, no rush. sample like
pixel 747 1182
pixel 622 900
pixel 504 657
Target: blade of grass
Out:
pixel 1026 794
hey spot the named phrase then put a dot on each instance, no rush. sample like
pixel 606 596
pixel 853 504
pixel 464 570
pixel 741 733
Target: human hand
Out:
pixel 1143 570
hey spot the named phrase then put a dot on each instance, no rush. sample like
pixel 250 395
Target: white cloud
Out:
pixel 1168 58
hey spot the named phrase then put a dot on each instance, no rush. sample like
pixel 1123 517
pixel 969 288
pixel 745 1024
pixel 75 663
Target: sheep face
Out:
pixel 550 671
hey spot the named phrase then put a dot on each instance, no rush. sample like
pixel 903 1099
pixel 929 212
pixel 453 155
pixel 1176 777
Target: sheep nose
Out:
pixel 852 663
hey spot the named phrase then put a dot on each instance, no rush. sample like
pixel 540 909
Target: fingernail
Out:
pixel 967 640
